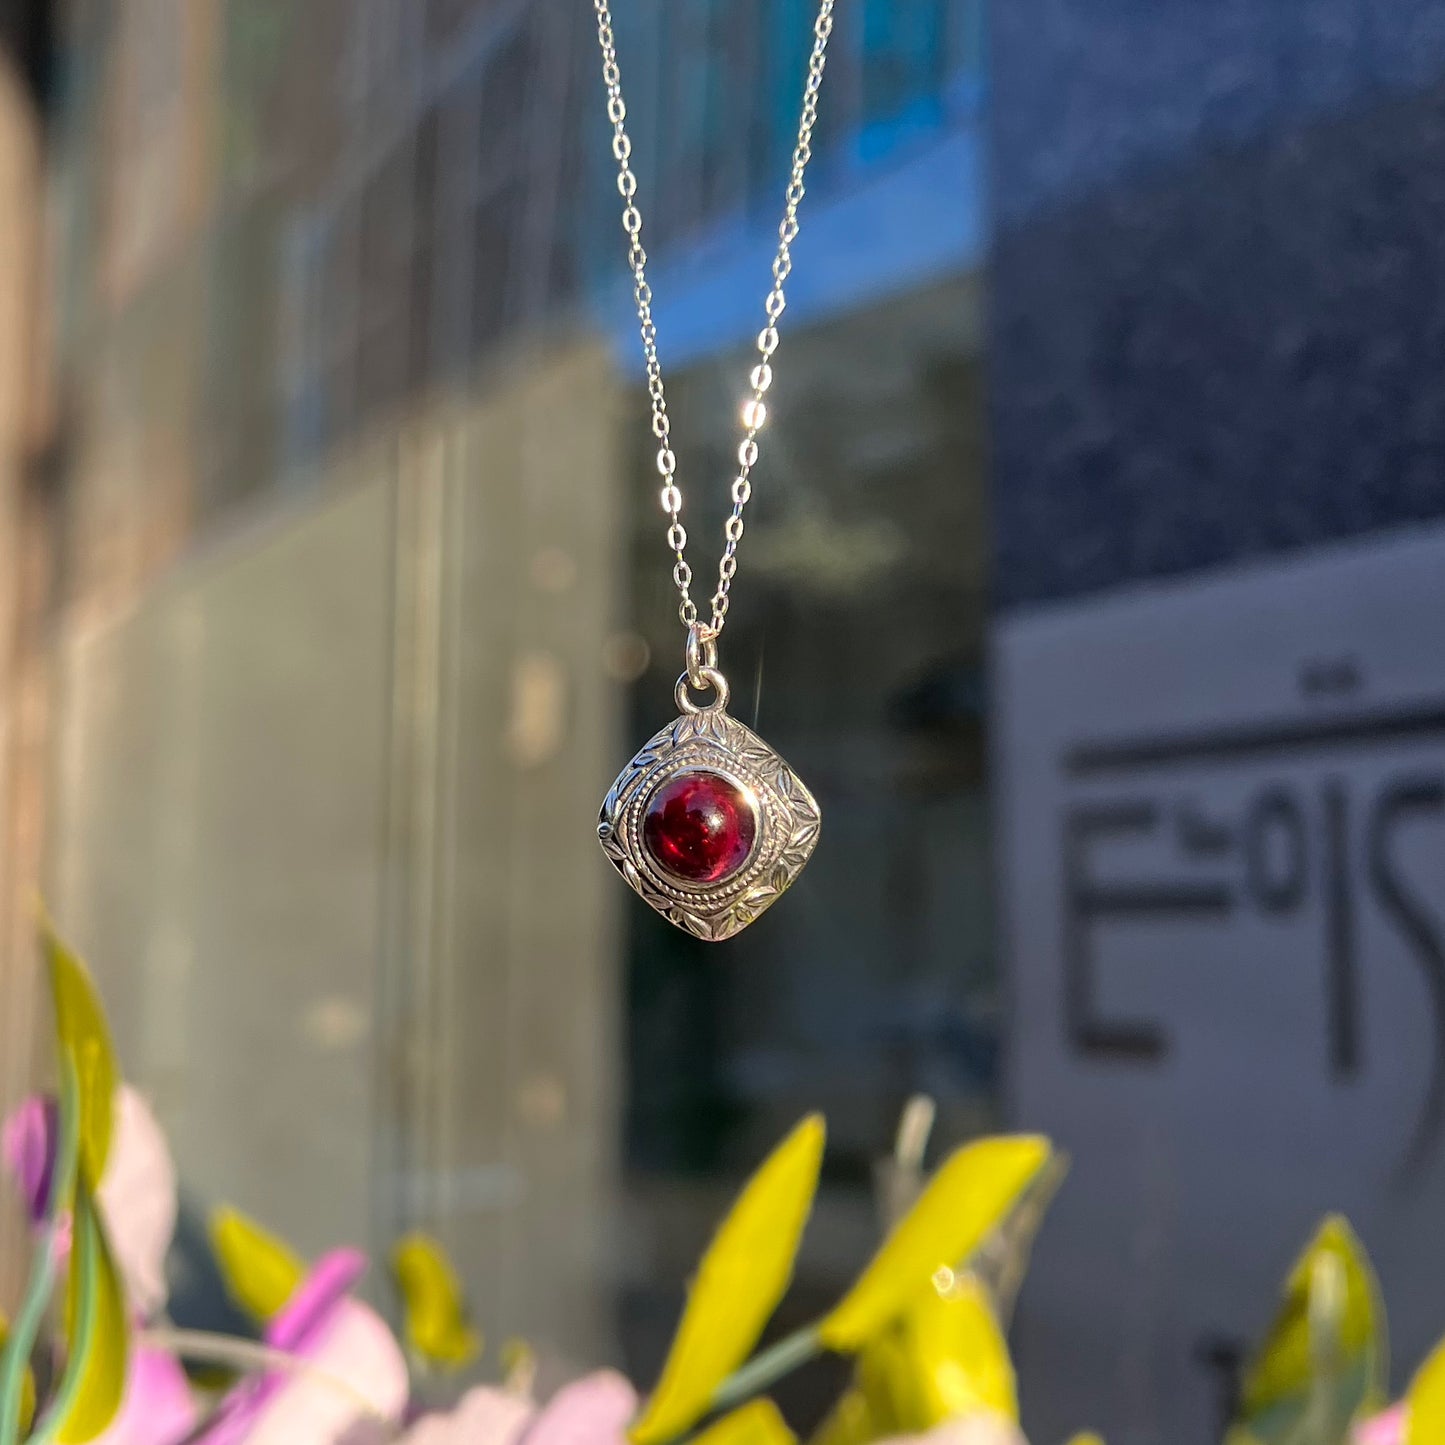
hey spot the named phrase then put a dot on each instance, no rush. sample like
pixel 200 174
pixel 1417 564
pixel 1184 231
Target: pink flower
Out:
pixel 593 1411
pixel 157 1408
pixel 1385 1429
pixel 348 1384
pixel 484 1417
pixel 137 1193
pixel 352 1375
pixel 137 1197
pixel 353 1391
pixel 27 1144
pixel 978 1429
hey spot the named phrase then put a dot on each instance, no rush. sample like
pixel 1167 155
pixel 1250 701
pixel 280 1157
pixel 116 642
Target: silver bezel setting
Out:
pixel 788 822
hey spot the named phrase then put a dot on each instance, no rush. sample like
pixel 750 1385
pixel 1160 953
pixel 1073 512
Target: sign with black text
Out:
pixel 1222 814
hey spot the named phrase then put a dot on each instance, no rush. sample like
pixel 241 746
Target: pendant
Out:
pixel 707 822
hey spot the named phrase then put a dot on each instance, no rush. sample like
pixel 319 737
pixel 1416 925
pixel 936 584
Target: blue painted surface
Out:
pixel 920 221
pixel 897 187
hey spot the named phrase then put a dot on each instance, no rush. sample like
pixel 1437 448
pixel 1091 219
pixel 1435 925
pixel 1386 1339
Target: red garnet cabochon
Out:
pixel 700 827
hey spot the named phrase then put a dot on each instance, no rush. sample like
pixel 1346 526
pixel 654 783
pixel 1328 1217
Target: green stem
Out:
pixel 82 1258
pixel 767 1369
pixel 252 1357
pixel 16 1355
pixel 22 1339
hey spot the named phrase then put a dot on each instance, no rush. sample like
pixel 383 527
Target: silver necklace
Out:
pixel 707 822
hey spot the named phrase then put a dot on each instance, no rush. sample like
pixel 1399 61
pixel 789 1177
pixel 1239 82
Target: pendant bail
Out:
pixel 701 655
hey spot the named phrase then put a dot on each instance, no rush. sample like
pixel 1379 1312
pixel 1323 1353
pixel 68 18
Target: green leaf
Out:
pixel 97 1335
pixel 259 1271
pixel 757 1423
pixel 739 1283
pixel 1323 1363
pixel 435 1315
pixel 968 1198
pixel 83 1034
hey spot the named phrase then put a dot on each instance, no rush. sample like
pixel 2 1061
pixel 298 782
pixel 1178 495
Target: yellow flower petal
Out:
pixel 1001 1262
pixel 83 1034
pixel 97 1331
pixel 27 1383
pixel 436 1325
pixel 740 1280
pixel 969 1196
pixel 958 1357
pixel 888 1383
pixel 259 1271
pixel 1425 1401
pixel 851 1422
pixel 1324 1354
pixel 1087 1438
pixel 944 1359
pixel 757 1423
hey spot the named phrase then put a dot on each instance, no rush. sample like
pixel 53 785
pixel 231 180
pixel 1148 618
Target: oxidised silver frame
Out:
pixel 708 739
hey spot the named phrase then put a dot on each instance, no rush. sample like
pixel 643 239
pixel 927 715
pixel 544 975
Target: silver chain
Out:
pixel 754 412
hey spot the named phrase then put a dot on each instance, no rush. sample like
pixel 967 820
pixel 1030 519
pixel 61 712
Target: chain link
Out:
pixel 755 411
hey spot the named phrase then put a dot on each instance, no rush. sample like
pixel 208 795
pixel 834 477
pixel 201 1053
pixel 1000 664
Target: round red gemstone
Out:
pixel 700 827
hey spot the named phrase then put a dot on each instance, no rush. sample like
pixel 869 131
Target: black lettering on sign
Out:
pixel 1087 903
pixel 1201 836
pixel 1276 852
pixel 1284 828
pixel 1401 800
pixel 1341 989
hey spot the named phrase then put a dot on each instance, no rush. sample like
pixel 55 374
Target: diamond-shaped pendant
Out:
pixel 707 822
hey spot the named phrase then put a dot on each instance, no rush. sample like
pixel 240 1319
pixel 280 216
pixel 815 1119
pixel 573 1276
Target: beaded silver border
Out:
pixel 788 823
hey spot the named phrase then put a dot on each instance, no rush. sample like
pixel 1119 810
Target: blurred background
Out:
pixel 1093 582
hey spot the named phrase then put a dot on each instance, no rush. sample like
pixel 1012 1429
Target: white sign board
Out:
pixel 1222 807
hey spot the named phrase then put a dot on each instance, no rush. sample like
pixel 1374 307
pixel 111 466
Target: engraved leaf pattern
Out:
pixel 695 925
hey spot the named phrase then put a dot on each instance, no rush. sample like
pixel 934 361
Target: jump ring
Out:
pixel 712 678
